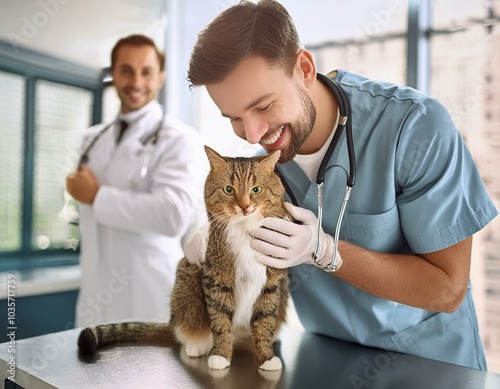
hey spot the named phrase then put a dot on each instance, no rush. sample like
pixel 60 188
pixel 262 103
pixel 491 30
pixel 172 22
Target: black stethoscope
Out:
pixel 150 139
pixel 345 122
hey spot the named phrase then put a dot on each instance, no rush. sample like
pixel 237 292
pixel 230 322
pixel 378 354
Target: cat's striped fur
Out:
pixel 232 296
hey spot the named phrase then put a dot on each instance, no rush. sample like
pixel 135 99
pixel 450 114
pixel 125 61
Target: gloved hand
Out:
pixel 194 243
pixel 286 244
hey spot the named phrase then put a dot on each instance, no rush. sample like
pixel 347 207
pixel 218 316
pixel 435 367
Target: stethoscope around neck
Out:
pixel 345 123
pixel 151 139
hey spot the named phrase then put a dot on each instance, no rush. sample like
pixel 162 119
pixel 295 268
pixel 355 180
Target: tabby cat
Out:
pixel 232 297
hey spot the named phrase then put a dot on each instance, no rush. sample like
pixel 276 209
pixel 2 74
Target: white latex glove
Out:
pixel 286 244
pixel 194 242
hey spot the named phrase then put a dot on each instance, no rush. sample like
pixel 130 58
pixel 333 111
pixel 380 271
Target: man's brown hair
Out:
pixel 265 29
pixel 137 40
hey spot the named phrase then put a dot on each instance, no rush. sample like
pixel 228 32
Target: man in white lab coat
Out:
pixel 138 190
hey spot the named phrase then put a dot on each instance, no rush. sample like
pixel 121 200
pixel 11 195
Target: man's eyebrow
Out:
pixel 128 66
pixel 258 100
pixel 253 104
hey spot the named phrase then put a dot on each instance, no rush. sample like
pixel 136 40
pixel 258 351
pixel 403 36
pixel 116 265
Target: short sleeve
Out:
pixel 441 196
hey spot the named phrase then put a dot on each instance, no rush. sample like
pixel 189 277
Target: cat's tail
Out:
pixel 155 334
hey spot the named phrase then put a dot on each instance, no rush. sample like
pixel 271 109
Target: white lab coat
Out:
pixel 131 235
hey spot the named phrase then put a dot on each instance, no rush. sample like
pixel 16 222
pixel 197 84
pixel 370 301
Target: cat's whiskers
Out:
pixel 219 221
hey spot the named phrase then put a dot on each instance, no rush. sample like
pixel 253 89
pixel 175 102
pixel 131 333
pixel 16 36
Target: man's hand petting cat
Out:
pixel 285 244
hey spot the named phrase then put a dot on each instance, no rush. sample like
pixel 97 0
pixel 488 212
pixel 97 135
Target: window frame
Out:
pixel 33 67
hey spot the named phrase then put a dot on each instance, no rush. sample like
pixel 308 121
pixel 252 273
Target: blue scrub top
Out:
pixel 417 191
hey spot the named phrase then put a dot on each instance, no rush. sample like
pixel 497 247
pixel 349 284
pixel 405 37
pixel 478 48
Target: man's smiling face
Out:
pixel 137 76
pixel 266 106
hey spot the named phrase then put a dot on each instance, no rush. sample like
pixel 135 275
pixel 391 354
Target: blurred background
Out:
pixel 53 55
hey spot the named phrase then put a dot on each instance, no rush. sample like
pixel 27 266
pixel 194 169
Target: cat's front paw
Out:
pixel 217 362
pixel 273 364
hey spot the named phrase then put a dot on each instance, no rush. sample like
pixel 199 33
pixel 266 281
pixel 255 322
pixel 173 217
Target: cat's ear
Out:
pixel 269 161
pixel 214 157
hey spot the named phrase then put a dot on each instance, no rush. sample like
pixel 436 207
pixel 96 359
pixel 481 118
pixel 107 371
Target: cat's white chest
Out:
pixel 250 275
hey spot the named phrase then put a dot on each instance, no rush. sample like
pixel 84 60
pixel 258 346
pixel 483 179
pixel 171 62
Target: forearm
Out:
pixel 407 279
pixel 167 213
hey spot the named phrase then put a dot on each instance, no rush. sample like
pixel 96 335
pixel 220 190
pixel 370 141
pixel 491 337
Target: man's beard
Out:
pixel 301 128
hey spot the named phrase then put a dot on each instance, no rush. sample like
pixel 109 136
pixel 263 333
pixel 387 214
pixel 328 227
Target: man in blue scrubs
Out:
pixel 405 249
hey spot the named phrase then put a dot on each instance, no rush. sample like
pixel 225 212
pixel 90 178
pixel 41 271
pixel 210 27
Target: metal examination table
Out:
pixel 310 362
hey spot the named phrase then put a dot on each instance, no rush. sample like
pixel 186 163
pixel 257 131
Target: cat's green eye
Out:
pixel 229 190
pixel 256 190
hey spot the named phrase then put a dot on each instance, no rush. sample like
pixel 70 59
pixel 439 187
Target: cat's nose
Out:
pixel 247 208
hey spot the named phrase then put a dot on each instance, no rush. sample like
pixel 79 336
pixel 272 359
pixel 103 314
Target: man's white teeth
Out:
pixel 274 138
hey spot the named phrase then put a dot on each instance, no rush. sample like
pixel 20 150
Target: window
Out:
pixel 12 96
pixel 43 114
pixel 374 41
pixel 61 113
pixel 366 58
